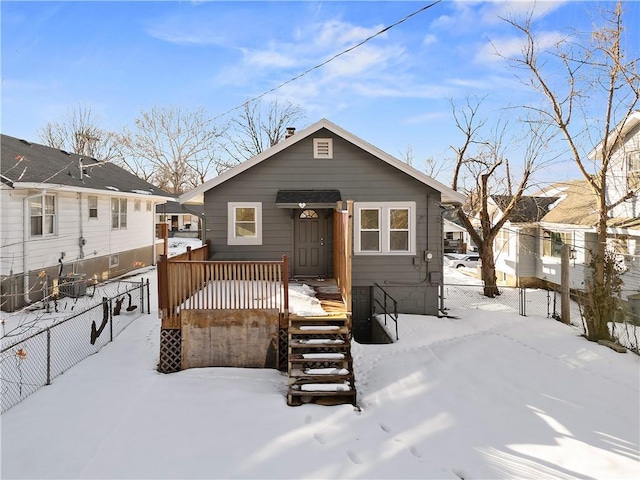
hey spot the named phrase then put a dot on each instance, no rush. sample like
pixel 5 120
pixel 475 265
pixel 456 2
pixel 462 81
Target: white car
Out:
pixel 459 260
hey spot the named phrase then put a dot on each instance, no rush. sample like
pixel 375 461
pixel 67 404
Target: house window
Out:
pixel 136 205
pixel 323 148
pixel 114 260
pixel 501 243
pixel 385 228
pixel 309 214
pixel 118 213
pixel 42 211
pixel 552 243
pixel 633 170
pixel 93 207
pixel 148 205
pixel 244 223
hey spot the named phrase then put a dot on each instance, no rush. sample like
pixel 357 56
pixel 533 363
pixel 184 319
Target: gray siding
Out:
pixel 360 177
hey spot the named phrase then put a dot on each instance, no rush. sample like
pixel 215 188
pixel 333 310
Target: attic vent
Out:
pixel 322 148
pixel 65 152
pixel 25 142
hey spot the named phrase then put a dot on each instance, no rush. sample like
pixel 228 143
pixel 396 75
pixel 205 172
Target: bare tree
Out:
pixel 173 148
pixel 255 130
pixel 79 133
pixel 482 169
pixel 597 94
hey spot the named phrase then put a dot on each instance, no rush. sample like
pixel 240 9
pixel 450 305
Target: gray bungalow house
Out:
pixel 281 202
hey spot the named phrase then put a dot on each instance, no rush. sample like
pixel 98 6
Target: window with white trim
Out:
pixel 323 148
pixel 385 228
pixel 633 170
pixel 244 223
pixel 93 206
pixel 118 213
pixel 552 242
pixel 42 212
pixel 136 205
pixel 148 205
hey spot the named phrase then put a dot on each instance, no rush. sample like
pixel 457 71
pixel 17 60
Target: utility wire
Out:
pixel 385 29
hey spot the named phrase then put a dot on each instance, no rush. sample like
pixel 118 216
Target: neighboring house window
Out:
pixel 385 228
pixel 552 243
pixel 114 260
pixel 323 148
pixel 244 223
pixel 118 213
pixel 136 205
pixel 148 205
pixel 42 210
pixel 93 207
pixel 502 242
pixel 633 170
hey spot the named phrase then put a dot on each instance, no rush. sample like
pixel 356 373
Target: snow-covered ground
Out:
pixel 486 395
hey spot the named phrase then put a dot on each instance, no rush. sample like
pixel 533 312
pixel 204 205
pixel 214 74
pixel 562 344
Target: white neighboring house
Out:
pixel 527 249
pixel 623 180
pixel 515 247
pixel 69 220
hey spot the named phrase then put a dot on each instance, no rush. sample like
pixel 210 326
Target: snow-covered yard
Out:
pixel 486 395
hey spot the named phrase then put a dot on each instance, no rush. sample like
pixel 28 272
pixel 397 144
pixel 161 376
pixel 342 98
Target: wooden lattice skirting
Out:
pixel 170 351
pixel 283 349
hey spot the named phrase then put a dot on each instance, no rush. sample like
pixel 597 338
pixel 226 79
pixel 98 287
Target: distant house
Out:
pixel 69 219
pixel 181 220
pixel 515 246
pixel 456 237
pixel 282 202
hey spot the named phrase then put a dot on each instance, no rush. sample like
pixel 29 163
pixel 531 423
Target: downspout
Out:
pixel 81 240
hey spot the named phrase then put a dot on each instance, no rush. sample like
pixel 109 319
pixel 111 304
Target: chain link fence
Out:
pixel 535 302
pixel 32 356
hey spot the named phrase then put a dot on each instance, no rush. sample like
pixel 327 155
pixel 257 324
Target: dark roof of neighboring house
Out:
pixel 176 208
pixel 30 163
pixel 527 209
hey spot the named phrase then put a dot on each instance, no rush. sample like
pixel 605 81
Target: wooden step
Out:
pixel 313 343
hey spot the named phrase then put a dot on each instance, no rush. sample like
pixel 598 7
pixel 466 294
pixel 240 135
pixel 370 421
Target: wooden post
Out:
pixel 165 234
pixel 163 287
pixel 349 255
pixel 565 310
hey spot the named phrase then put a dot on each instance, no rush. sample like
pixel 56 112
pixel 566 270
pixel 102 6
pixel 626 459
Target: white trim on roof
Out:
pixel 622 128
pixel 448 195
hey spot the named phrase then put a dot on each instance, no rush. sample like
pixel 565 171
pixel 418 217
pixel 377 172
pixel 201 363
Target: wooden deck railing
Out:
pixel 343 250
pixel 202 284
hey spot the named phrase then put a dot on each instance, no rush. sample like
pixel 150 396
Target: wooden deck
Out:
pixel 327 291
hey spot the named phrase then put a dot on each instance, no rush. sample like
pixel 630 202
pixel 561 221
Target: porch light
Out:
pixel 302 204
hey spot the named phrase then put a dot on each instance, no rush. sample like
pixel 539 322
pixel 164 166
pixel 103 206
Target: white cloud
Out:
pixel 508 46
pixel 429 39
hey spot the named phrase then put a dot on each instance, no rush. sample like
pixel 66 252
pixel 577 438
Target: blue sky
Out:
pixel 122 57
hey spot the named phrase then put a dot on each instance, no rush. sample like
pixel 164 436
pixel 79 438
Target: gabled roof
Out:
pixel 448 195
pixel 621 130
pixel 528 209
pixel 176 208
pixel 30 165
pixel 576 203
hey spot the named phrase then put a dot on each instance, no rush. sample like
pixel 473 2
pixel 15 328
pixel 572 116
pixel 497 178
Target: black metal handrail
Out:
pixel 394 315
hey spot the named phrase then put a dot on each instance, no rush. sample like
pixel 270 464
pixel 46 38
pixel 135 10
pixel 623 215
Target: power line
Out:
pixel 309 70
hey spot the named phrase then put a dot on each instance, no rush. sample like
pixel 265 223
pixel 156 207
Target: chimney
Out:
pixel 290 132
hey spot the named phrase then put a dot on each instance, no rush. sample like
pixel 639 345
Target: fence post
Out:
pixel 141 288
pixel 148 298
pixel 110 320
pixel 48 356
pixel 565 309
